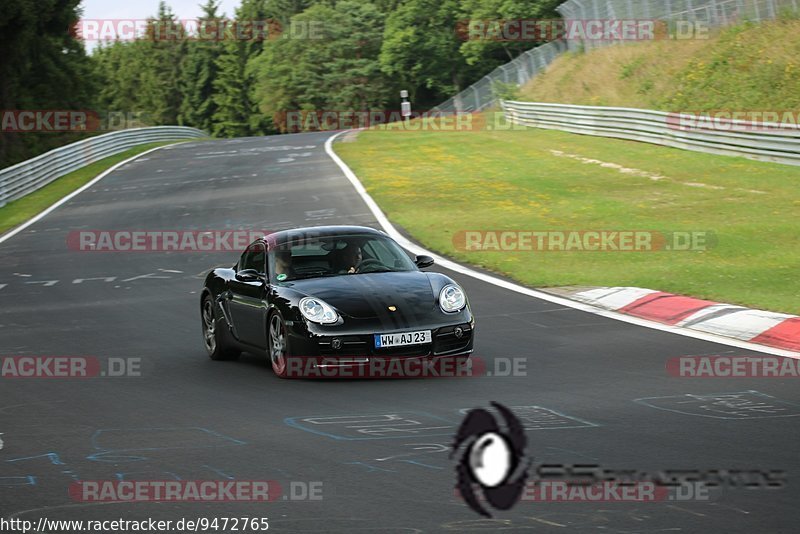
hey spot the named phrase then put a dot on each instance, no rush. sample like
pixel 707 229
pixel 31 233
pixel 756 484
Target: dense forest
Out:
pixel 314 55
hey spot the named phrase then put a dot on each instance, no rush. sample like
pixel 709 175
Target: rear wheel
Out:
pixel 278 346
pixel 213 335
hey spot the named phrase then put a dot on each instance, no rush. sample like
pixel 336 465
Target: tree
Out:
pixel 237 113
pixel 491 53
pixel 199 70
pixel 43 67
pixel 331 66
pixel 163 49
pixel 421 49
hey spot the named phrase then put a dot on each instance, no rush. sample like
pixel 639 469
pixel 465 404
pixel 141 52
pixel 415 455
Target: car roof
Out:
pixel 297 235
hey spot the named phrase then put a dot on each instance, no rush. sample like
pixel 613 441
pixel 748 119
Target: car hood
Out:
pixel 371 295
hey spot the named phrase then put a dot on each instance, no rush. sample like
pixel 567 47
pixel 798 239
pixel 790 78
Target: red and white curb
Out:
pixel 777 330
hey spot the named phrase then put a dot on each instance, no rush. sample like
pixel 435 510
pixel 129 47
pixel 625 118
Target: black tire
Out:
pixel 278 347
pixel 213 334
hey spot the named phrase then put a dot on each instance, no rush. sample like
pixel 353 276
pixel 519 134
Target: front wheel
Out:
pixel 213 336
pixel 278 346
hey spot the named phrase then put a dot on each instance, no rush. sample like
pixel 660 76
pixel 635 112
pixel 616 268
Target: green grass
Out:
pixel 744 67
pixel 435 184
pixel 17 212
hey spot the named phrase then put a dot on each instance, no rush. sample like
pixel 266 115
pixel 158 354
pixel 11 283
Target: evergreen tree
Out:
pixel 163 49
pixel 237 113
pixel 199 70
pixel 43 67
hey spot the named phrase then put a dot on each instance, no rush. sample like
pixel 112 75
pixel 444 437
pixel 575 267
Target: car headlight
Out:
pixel 452 299
pixel 317 311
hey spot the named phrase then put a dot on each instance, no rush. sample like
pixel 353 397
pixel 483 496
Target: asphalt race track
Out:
pixel 189 418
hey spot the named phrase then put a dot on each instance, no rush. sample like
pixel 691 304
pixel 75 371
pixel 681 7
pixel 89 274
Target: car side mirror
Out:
pixel 423 262
pixel 249 275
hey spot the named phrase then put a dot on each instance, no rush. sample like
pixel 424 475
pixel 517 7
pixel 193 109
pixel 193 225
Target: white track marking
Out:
pixel 613 298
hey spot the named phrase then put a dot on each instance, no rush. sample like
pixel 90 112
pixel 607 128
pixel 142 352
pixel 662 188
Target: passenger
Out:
pixel 283 264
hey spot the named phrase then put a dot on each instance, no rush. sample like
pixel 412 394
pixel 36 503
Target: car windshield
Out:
pixel 340 255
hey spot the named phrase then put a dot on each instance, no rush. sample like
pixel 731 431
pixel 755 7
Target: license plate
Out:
pixel 383 341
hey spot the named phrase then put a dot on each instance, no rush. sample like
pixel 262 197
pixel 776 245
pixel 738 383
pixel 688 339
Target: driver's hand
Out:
pixel 352 270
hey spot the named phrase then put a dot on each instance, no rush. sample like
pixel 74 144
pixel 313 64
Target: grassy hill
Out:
pixel 744 67
pixel 439 184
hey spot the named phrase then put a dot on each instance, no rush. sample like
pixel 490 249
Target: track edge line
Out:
pixel 41 215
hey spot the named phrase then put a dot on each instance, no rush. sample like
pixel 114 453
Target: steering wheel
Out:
pixel 367 263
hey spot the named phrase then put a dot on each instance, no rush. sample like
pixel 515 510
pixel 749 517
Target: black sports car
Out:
pixel 336 297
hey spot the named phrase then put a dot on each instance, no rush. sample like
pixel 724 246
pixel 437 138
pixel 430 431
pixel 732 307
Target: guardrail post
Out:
pixel 740 11
pixel 773 12
pixel 522 74
pixel 612 15
pixel 458 103
pixel 582 20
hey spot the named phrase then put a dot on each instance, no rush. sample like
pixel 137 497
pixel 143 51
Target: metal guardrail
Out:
pixel 712 13
pixel 762 141
pixel 28 176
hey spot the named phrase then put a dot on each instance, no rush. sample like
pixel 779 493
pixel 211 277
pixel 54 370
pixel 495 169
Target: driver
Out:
pixel 351 258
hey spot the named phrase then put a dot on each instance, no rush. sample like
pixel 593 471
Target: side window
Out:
pixel 255 257
pixel 280 264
